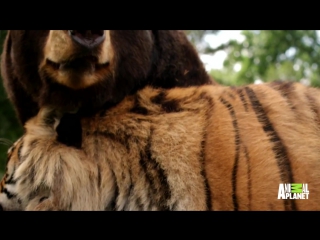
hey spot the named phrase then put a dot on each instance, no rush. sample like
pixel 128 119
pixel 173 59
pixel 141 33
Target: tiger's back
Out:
pixel 197 148
pixel 261 137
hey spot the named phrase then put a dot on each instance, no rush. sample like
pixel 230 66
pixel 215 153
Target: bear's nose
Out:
pixel 1 208
pixel 87 38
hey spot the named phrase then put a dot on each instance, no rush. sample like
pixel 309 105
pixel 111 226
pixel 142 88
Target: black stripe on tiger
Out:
pixel 10 180
pixel 99 175
pixel 32 172
pixel 202 154
pixel 167 106
pixel 237 152
pixel 11 150
pixel 128 196
pixel 313 106
pixel 285 89
pixel 8 194
pixel 19 152
pixel 204 175
pixel 113 202
pixel 246 154
pixel 156 177
pixel 279 149
pixel 243 100
pixel 96 154
pixel 137 108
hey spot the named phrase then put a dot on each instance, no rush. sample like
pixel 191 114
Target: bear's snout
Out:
pixel 77 59
pixel 87 38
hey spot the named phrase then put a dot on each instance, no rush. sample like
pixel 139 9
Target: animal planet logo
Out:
pixel 293 191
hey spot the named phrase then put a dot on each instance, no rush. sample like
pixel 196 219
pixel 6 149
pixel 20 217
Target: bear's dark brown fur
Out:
pixel 41 67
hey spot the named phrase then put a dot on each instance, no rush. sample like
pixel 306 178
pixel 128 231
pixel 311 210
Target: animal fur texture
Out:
pixel 50 67
pixel 195 148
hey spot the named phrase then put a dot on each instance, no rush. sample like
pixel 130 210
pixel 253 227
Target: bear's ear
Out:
pixel 19 71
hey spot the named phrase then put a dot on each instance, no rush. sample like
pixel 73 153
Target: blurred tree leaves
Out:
pixel 270 55
pixel 197 38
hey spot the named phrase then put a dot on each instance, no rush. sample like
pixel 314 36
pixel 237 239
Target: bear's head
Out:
pixel 84 70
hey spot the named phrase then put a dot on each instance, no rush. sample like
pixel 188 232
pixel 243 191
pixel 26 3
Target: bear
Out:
pixel 84 70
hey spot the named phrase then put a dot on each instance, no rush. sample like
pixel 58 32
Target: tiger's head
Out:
pixel 16 192
pixel 14 196
pixel 8 193
pixel 43 174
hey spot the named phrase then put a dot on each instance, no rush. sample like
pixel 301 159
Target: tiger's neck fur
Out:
pixel 198 148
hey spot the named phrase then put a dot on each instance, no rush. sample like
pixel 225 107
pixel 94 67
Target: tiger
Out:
pixel 199 148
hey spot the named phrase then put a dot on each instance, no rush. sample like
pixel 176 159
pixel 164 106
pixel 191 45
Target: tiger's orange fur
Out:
pixel 196 148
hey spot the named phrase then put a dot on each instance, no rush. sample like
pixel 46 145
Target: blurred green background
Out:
pixel 261 56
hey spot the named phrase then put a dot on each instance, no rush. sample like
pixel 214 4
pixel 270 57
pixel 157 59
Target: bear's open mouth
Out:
pixel 82 64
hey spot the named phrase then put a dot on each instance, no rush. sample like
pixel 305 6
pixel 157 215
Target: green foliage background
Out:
pixel 267 55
